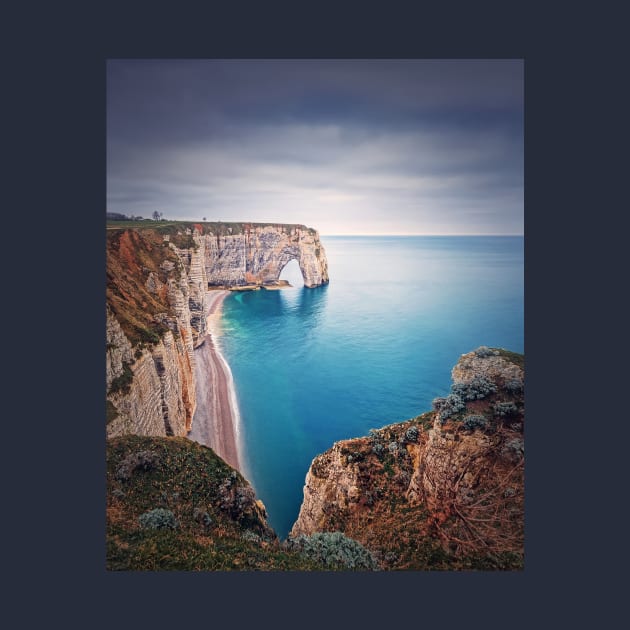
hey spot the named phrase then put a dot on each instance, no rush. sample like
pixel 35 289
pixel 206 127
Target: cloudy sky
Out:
pixel 345 146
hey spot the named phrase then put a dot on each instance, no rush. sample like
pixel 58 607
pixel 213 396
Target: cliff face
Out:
pixel 155 299
pixel 443 490
pixel 157 279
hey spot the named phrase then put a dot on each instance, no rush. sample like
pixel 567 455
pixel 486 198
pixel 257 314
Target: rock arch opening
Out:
pixel 292 273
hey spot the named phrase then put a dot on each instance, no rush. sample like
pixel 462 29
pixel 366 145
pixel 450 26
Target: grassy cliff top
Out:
pixel 173 504
pixel 515 357
pixel 216 228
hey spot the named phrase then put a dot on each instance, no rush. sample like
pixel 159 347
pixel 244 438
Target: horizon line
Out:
pixel 409 234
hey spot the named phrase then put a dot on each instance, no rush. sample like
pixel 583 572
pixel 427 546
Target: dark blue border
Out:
pixel 57 137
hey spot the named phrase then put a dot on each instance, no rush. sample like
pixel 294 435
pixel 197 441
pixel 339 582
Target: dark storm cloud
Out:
pixel 345 146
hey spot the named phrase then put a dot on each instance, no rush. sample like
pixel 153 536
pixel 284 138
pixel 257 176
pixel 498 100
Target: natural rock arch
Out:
pixel 258 254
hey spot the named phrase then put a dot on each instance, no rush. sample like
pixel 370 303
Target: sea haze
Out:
pixel 375 346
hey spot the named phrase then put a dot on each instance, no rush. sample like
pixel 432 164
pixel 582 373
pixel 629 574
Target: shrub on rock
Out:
pixel 334 550
pixel 159 518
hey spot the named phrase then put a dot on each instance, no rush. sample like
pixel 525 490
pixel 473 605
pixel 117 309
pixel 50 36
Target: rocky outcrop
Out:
pixel 157 282
pixel 488 363
pixel 468 452
pixel 331 485
pixel 257 253
pixel 441 488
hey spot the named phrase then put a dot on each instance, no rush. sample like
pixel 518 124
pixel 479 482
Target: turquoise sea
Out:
pixel 375 346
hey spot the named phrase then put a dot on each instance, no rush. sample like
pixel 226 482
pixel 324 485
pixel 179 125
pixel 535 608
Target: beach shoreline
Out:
pixel 216 421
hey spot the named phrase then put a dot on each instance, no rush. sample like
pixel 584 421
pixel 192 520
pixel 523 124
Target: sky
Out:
pixel 343 146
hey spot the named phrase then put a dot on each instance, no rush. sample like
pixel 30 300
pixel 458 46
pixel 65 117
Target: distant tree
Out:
pixel 157 216
pixel 116 216
pixel 204 218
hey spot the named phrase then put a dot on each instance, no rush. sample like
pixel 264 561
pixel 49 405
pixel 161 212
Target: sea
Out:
pixel 372 347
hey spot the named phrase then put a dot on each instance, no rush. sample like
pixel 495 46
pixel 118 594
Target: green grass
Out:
pixel 388 461
pixel 165 550
pixel 208 227
pixel 122 383
pixel 514 357
pixel 185 476
pixel 503 561
pixel 425 420
pixel 111 412
pixel 125 225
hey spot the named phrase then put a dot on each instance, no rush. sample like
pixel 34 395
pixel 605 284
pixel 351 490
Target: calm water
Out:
pixel 375 346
